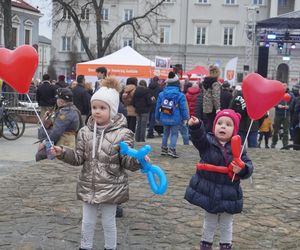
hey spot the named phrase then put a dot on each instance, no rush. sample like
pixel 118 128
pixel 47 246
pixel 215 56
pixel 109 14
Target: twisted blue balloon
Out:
pixel 147 168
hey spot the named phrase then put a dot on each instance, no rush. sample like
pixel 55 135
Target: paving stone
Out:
pixel 39 210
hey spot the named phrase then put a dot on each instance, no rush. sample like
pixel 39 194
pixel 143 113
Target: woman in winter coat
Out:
pixel 127 95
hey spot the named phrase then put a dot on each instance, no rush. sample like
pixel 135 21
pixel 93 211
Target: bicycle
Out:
pixel 12 126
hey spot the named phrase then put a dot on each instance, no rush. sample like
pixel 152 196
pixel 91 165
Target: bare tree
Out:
pixel 103 42
pixel 6 10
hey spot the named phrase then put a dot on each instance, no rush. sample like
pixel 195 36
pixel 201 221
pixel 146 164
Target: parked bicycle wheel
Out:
pixel 13 126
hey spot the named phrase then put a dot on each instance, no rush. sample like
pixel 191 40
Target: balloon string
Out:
pixel 40 120
pixel 244 145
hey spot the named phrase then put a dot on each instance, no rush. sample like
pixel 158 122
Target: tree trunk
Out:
pixel 6 7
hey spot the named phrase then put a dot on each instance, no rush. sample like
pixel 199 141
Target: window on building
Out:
pixel 228 36
pixel 201 35
pixel 128 14
pixel 81 44
pixel 66 43
pixel 202 1
pixel 104 14
pixel 258 2
pixel 66 14
pixel 15 37
pixel 127 42
pixel 165 34
pixel 230 1
pixel 27 36
pixel 85 14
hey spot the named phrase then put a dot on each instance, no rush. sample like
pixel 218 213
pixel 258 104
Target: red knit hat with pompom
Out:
pixel 236 117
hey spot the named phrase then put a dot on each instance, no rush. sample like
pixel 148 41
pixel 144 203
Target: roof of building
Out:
pixel 43 39
pixel 289 20
pixel 280 23
pixel 23 5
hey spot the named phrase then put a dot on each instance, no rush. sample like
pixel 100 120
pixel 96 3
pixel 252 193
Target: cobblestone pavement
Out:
pixel 38 209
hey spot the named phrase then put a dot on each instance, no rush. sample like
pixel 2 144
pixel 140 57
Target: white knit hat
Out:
pixel 110 96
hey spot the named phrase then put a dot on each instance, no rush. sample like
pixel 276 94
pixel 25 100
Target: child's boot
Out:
pixel 225 246
pixel 204 245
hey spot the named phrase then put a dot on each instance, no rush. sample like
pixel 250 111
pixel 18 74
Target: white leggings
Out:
pixel 108 212
pixel 210 224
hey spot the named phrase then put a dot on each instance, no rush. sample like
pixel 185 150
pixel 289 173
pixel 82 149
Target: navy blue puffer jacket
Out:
pixel 212 191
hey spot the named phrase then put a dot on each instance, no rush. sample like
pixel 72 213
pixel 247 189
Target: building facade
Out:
pixel 25 24
pixel 191 32
pixel 44 48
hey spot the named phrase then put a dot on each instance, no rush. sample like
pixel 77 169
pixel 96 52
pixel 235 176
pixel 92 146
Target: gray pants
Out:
pixel 211 221
pixel 108 212
pixel 142 120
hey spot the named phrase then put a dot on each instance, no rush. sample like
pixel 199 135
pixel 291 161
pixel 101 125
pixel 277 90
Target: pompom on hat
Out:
pixel 109 93
pixel 236 117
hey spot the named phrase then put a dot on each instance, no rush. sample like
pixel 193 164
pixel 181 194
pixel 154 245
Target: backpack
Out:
pixel 168 105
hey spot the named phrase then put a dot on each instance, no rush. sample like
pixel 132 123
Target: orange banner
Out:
pixel 116 70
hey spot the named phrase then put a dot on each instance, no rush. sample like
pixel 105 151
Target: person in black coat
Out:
pixel 155 89
pixel 212 190
pixel 226 95
pixel 142 103
pixel 82 98
pixel 45 95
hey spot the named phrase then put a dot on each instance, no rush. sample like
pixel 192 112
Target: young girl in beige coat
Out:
pixel 103 182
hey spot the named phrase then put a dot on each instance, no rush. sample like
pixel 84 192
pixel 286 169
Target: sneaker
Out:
pixel 267 146
pixel 172 152
pixel 150 136
pixel 119 211
pixel 164 151
pixel 272 146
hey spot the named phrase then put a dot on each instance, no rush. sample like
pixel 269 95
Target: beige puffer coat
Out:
pixel 103 179
pixel 127 97
pixel 212 98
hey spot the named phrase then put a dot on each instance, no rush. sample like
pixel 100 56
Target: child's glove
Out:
pixel 234 162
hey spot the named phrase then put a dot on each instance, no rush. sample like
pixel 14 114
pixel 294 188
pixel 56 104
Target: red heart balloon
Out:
pixel 260 94
pixel 17 67
pixel 287 97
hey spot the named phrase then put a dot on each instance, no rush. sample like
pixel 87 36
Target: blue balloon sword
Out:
pixel 149 169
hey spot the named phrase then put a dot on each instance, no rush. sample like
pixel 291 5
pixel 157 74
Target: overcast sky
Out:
pixel 45 7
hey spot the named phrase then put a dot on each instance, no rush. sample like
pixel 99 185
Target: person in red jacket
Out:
pixel 191 97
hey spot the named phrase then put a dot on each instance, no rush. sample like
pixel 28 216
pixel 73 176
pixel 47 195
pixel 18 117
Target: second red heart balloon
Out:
pixel 261 94
pixel 18 66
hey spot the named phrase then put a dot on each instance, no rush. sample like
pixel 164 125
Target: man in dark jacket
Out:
pixel 61 82
pixel 142 102
pixel 45 95
pixel 155 89
pixel 81 98
pixel 226 95
pixel 282 118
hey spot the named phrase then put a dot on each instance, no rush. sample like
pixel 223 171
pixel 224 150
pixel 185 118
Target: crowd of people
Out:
pixel 86 123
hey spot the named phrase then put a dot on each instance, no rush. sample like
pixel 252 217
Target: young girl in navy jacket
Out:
pixel 211 189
